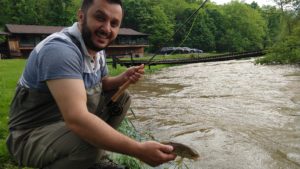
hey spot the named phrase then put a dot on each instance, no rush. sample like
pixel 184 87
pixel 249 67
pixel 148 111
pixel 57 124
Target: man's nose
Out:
pixel 106 27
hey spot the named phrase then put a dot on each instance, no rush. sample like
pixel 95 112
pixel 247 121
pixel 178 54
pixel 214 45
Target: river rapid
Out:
pixel 236 114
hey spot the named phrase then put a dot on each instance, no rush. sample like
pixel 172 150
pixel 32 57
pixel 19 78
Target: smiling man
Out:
pixel 58 117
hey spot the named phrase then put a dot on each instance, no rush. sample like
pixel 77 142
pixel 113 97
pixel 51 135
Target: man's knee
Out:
pixel 78 154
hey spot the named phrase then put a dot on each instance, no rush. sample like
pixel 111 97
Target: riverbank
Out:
pixel 281 54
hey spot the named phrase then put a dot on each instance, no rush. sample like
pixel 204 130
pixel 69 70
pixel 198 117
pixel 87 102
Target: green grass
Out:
pixel 173 56
pixel 10 71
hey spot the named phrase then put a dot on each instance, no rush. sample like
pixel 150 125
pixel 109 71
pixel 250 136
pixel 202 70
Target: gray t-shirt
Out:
pixel 57 57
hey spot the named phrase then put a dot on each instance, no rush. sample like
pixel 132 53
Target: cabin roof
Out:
pixel 40 29
pixel 32 29
pixel 3 33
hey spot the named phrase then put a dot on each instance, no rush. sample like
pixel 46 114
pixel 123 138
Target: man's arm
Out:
pixel 70 96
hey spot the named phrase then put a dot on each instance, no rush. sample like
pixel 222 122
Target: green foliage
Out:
pixel 286 49
pixel 135 12
pixel 146 16
pixel 173 7
pixel 128 129
pixel 114 72
pixel 127 161
pixel 246 28
pixel 200 31
pixel 60 12
pixel 42 12
pixel 4 12
pixel 272 15
pixel 217 18
pixel 29 10
pixel 159 27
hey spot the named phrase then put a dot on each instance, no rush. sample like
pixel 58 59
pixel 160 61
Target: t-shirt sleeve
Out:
pixel 59 60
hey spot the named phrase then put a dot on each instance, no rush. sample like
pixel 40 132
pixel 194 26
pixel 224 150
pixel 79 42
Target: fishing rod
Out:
pixel 128 82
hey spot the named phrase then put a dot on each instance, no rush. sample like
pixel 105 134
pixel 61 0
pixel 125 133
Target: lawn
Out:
pixel 10 71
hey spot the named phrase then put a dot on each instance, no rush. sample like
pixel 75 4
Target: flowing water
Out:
pixel 236 114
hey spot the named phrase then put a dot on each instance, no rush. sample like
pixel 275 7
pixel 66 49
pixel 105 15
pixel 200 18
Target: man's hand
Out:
pixel 154 153
pixel 134 73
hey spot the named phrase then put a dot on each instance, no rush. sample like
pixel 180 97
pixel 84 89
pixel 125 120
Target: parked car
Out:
pixel 175 50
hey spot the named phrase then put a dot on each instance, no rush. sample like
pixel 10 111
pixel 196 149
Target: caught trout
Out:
pixel 182 150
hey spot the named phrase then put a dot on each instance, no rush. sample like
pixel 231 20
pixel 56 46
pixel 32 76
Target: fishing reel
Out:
pixel 114 109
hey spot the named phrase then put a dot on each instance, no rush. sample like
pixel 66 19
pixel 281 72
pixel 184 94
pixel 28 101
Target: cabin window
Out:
pixel 27 41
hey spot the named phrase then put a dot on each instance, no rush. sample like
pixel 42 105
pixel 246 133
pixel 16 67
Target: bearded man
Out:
pixel 59 117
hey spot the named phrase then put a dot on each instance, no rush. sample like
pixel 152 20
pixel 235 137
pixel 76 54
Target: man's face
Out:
pixel 100 24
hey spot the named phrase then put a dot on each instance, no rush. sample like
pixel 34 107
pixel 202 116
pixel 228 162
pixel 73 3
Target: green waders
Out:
pixel 52 145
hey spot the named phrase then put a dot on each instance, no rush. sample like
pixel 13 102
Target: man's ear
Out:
pixel 80 16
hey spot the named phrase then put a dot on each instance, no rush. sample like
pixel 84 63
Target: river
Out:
pixel 236 114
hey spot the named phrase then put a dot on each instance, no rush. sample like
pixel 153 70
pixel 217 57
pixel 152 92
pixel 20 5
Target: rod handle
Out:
pixel 121 90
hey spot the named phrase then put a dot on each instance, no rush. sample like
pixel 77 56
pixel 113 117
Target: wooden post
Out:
pixel 114 64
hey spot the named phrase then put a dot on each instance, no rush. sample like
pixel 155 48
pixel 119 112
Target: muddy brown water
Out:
pixel 236 114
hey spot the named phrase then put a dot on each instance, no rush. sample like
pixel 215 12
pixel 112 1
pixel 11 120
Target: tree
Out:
pixel 287 48
pixel 173 7
pixel 254 5
pixel 218 19
pixel 5 11
pixel 203 33
pixel 246 28
pixel 135 12
pixel 149 17
pixel 159 27
pixel 272 16
pixel 21 12
pixel 60 12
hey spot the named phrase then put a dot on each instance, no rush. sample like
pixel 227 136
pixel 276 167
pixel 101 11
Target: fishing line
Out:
pixel 189 32
pixel 179 28
pixel 187 35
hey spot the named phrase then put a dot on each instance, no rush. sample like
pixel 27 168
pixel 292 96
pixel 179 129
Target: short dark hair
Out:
pixel 87 3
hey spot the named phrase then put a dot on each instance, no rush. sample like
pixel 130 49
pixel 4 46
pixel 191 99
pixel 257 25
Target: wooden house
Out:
pixel 21 39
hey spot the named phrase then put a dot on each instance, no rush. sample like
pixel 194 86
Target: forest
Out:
pixel 232 27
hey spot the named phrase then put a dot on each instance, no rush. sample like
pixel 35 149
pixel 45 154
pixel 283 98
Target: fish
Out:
pixel 183 150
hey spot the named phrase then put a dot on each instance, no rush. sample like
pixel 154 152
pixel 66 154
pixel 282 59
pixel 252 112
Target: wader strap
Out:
pixel 75 41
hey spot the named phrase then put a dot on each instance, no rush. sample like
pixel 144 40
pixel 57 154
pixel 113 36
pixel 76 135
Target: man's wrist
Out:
pixel 136 149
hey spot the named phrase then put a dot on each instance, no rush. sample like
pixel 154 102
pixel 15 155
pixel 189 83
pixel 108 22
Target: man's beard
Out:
pixel 87 38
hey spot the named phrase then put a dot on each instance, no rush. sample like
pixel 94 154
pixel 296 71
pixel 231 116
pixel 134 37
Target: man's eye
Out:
pixel 100 18
pixel 114 24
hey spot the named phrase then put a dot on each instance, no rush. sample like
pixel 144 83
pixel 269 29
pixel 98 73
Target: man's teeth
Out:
pixel 101 35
